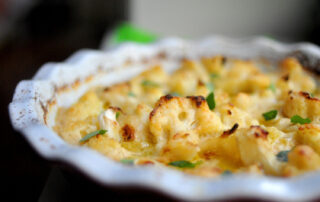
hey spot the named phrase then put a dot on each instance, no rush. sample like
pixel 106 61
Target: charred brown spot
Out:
pixel 179 135
pixel 259 132
pixel 209 155
pixel 117 109
pixel 229 112
pixel 232 130
pixel 200 83
pixel 198 100
pixel 106 89
pixel 168 97
pixel 146 163
pixel 127 133
pixel 285 77
pixel 162 55
pixel 307 95
pixel 224 60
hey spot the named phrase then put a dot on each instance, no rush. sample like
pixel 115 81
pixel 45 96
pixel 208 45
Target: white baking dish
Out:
pixel 35 101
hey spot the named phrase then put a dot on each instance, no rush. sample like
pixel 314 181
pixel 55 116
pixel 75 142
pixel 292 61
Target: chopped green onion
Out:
pixel 175 94
pixel 299 119
pixel 311 94
pixel 211 102
pixel 149 83
pixel 226 173
pixel 117 115
pixel 283 156
pixel 214 75
pixel 183 164
pixel 90 135
pixel 270 115
pixel 131 94
pixel 272 87
pixel 127 161
pixel 210 86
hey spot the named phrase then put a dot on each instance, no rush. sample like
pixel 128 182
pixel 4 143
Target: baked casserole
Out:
pixel 213 116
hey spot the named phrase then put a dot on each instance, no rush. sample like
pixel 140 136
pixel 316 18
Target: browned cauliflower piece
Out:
pixel 214 64
pixel 185 80
pixel 309 134
pixel 302 104
pixel 243 76
pixel 179 122
pixel 255 148
pixel 294 78
pixel 302 158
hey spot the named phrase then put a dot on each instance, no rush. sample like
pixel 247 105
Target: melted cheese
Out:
pixel 157 118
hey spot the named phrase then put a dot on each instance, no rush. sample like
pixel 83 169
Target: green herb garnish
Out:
pixel 211 102
pixel 210 86
pixel 272 87
pixel 226 173
pixel 131 94
pixel 283 156
pixel 148 83
pixel 214 75
pixel 117 115
pixel 270 115
pixel 127 161
pixel 90 135
pixel 184 164
pixel 299 119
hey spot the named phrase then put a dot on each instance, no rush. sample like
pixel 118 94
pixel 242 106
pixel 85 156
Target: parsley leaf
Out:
pixel 127 161
pixel 283 156
pixel 299 119
pixel 183 164
pixel 211 102
pixel 117 115
pixel 148 83
pixel 270 115
pixel 210 86
pixel 272 87
pixel 90 135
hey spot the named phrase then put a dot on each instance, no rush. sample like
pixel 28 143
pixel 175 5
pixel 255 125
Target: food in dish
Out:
pixel 212 116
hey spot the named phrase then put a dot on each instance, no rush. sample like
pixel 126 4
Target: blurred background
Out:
pixel 33 32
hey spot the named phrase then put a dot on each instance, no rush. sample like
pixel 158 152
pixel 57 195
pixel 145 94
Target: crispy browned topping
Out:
pixel 198 100
pixel 200 83
pixel 232 130
pixel 285 77
pixel 127 132
pixel 229 112
pixel 307 96
pixel 259 132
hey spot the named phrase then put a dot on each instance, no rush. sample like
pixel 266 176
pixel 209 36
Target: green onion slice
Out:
pixel 270 115
pixel 210 100
pixel 300 120
pixel 283 156
pixel 90 135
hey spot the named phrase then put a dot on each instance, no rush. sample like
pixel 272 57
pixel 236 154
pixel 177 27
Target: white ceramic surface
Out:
pixel 32 98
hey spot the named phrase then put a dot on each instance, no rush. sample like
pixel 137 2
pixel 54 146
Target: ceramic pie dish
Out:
pixel 36 101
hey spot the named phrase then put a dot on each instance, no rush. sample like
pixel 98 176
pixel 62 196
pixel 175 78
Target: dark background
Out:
pixel 51 31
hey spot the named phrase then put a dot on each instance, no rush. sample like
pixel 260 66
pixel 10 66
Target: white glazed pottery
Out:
pixel 35 101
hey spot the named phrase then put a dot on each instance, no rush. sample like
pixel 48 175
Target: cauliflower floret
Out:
pixel 120 95
pixel 243 77
pixel 302 158
pixel 80 119
pixel 309 134
pixel 231 115
pixel 302 104
pixel 214 64
pixel 294 78
pixel 185 80
pixel 255 148
pixel 108 147
pixel 176 119
pixel 150 85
